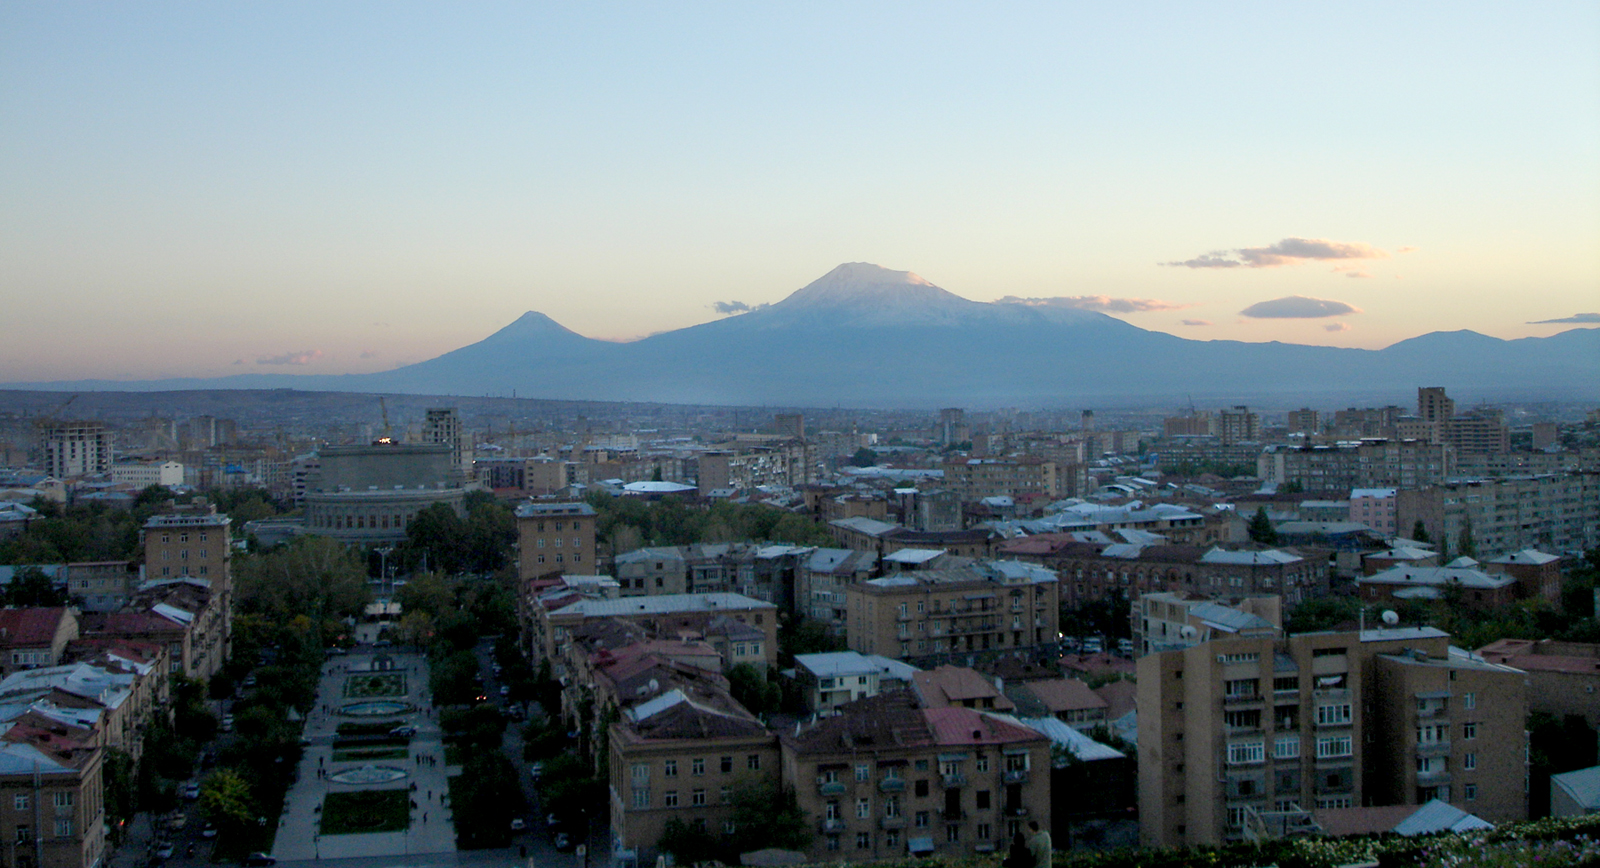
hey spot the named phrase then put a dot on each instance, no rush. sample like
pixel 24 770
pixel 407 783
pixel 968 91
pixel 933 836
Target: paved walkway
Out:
pixel 431 830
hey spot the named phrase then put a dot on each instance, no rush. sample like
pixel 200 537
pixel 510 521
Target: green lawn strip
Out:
pixel 381 728
pixel 382 753
pixel 375 685
pixel 366 811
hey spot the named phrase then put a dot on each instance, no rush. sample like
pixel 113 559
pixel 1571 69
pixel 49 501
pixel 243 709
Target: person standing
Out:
pixel 1039 845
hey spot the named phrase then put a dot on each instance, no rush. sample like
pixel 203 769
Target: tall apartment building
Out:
pixel 883 778
pixel 1557 512
pixel 555 538
pixel 785 463
pixel 1368 464
pixel 75 448
pixel 1192 425
pixel 1250 735
pixel 1238 425
pixel 442 427
pixel 1375 508
pixel 1435 409
pixel 976 478
pixel 952 427
pixel 55 808
pixel 989 610
pixel 791 425
pixel 195 541
pixel 1304 421
pixel 1482 430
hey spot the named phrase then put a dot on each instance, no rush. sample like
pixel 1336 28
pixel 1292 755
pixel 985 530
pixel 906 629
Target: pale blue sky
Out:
pixel 184 186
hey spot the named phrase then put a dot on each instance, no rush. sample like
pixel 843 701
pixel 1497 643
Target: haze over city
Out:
pixel 204 190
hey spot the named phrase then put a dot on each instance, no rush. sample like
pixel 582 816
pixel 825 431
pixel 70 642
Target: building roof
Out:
pixel 34 626
pixel 662 605
pixel 541 509
pixel 1437 816
pixel 840 664
pixel 1065 694
pixel 675 715
pixel 952 685
pixel 1272 557
pixel 885 721
pixel 1529 557
pixel 913 556
pixel 1531 655
pixel 1389 634
pixel 968 727
pixel 1466 577
pixel 1377 493
pixel 1120 697
pixel 861 524
pixel 1075 742
pixel 655 487
pixel 1583 786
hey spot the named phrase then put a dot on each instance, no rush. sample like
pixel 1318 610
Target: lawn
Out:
pixel 377 685
pixel 366 811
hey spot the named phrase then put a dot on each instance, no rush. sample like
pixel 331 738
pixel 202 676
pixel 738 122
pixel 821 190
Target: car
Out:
pixel 519 825
pixel 1092 646
pixel 164 850
pixel 209 831
pixel 191 792
pixel 177 821
pixel 536 770
pixel 227 723
pixel 562 842
pixel 259 860
pixel 505 690
pixel 1125 647
pixel 550 819
pixel 403 731
pixel 250 680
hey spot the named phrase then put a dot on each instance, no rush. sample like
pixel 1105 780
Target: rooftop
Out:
pixel 662 604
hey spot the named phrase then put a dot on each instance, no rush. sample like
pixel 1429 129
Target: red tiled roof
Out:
pixel 969 727
pixel 20 627
pixel 1065 694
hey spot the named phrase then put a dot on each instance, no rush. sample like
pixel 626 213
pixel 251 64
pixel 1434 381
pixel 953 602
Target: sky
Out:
pixel 219 188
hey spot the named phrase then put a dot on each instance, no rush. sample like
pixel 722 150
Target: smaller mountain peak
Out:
pixel 870 273
pixel 863 285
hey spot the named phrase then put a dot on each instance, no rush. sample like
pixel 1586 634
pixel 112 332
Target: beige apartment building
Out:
pixel 678 757
pixel 988 610
pixel 555 538
pixel 1555 512
pixel 883 778
pixel 977 478
pixel 54 811
pixel 1249 736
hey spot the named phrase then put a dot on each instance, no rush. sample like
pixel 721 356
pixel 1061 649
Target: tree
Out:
pixel 765 816
pixel 30 587
pixel 689 845
pixel 1466 546
pixel 1420 532
pixel 225 798
pixel 750 687
pixel 864 457
pixel 1261 530
pixel 313 575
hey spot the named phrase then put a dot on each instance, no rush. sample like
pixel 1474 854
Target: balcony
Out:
pixel 953 780
pixel 831 827
pixel 1430 779
pixel 891 822
pixel 1433 748
pixel 1016 811
pixel 830 788
pixel 892 785
pixel 954 816
pixel 1242 699
pixel 1016 776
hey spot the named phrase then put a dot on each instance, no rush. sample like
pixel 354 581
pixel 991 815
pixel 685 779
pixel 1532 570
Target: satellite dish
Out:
pixel 1189 632
pixel 1390 618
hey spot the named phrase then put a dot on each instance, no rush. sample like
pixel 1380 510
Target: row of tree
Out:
pixel 628 523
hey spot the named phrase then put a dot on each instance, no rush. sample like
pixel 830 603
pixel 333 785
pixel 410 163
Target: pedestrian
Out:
pixel 1039 845
pixel 1018 856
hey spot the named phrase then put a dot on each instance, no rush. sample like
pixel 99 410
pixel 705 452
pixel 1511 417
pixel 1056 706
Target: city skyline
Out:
pixel 202 191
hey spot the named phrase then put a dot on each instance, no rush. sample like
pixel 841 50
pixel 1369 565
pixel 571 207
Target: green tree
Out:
pixel 31 587
pixel 225 798
pixel 1261 530
pixel 864 457
pixel 1419 532
pixel 766 816
pixel 752 689
pixel 690 845
pixel 313 575
pixel 1466 546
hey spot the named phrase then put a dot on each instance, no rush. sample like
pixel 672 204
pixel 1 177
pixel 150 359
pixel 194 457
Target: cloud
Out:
pixel 1336 327
pixel 1289 251
pixel 369 354
pixel 1362 275
pixel 304 357
pixel 1297 307
pixel 1096 302
pixel 731 307
pixel 1577 317
pixel 1197 322
pixel 1405 250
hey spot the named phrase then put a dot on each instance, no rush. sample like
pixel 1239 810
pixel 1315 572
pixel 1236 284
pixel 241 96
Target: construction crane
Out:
pixel 388 433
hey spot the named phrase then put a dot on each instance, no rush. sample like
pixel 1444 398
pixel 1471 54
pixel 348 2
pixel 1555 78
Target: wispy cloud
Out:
pixel 1336 327
pixel 1197 322
pixel 1297 307
pixel 304 357
pixel 1289 251
pixel 1576 318
pixel 1096 302
pixel 731 307
pixel 369 354
pixel 1359 275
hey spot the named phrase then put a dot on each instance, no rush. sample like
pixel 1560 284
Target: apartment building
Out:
pixel 670 616
pixel 51 786
pixel 1563 677
pixel 819 593
pixel 989 610
pixel 1249 735
pixel 1238 425
pixel 189 541
pixel 976 478
pixel 31 638
pixel 1338 468
pixel 73 449
pixel 143 474
pixel 1557 512
pixel 883 778
pixel 1097 571
pixel 679 757
pixel 1174 621
pixel 831 679
pixel 555 538
pixel 1375 508
pixel 782 463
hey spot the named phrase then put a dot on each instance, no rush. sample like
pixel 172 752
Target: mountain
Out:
pixel 863 335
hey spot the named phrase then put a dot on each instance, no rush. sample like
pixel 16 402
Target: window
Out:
pixel 1470 791
pixel 1286 747
pixel 1333 802
pixel 1241 752
pixel 891 838
pixel 1469 762
pixel 920 788
pixel 891 806
pixel 830 811
pixel 922 765
pixel 981 765
pixel 863 809
pixel 861 773
pixel 863 840
pixel 63 799
pixel 1333 715
pixel 670 798
pixel 64 827
pixel 921 820
pixel 833 842
pixel 641 797
pixel 670 768
pixel 952 833
pixel 1469 730
pixel 726 795
pixel 1469 700
pixel 985 831
pixel 1336 746
pixel 1236 817
pixel 24 833
pixel 727 764
pixel 983 800
pixel 697 766
pixel 753 762
pixel 697 797
pixel 1240 688
pixel 20 801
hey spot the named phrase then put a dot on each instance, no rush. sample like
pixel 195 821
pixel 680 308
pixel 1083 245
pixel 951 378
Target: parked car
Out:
pixel 403 731
pixel 259 860
pixel 191 791
pixel 505 690
pixel 227 723
pixel 177 820
pixel 1092 645
pixel 550 819
pixel 536 770
pixel 209 831
pixel 164 850
pixel 563 842
pixel 1125 647
pixel 519 825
